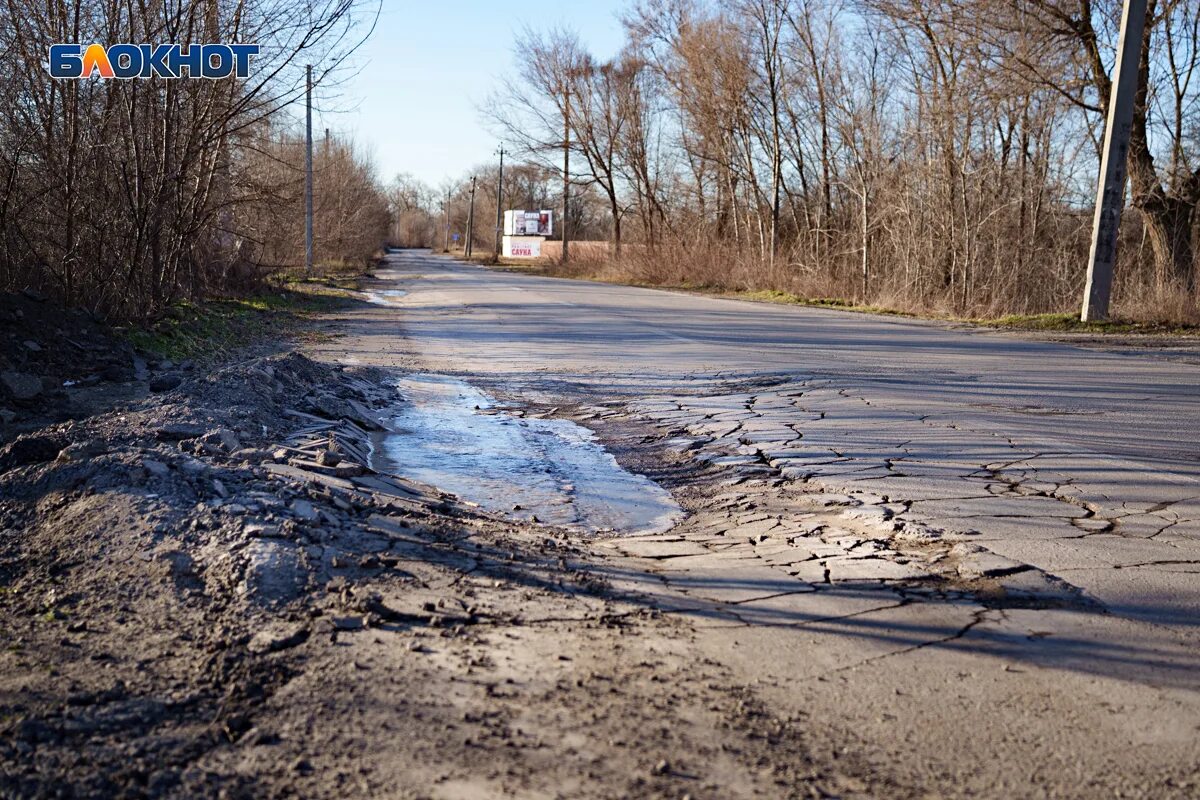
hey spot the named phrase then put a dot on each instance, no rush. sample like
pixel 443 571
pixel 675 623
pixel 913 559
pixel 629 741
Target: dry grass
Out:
pixel 1157 305
pixel 720 269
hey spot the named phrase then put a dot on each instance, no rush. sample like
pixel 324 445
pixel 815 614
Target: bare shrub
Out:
pixel 122 196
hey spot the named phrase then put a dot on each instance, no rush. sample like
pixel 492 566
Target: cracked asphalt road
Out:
pixel 969 558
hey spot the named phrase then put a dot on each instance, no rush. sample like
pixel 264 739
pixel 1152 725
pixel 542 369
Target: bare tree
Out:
pixel 924 153
pixel 1164 171
pixel 123 196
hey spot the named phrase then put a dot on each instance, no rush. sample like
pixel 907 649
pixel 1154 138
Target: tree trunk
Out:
pixel 1168 222
pixel 1167 210
pixel 617 236
pixel 614 207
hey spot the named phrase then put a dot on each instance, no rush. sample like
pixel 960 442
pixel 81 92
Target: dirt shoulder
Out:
pixel 60 364
pixel 208 592
pixel 56 365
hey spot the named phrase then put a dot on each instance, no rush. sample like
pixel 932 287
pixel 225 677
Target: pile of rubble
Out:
pixel 156 560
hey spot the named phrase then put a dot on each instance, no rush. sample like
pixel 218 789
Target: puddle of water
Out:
pixel 552 469
pixel 384 297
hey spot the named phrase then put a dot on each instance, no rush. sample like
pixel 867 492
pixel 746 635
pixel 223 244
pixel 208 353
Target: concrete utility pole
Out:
pixel 1110 191
pixel 470 221
pixel 308 175
pixel 500 204
pixel 446 232
pixel 566 254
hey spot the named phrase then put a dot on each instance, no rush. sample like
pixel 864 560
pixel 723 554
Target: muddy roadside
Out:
pixel 207 591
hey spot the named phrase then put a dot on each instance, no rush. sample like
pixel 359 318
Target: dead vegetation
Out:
pixel 924 156
pixel 123 197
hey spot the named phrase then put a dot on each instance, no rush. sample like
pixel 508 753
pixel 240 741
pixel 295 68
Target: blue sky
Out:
pixel 413 103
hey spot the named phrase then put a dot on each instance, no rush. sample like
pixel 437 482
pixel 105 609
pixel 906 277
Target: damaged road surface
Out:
pixel 500 536
pixel 963 563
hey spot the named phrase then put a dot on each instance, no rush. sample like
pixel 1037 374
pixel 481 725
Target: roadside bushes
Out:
pixel 123 196
pixel 933 155
pixel 351 217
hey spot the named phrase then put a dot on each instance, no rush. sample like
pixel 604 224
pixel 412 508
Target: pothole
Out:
pixel 549 469
pixel 385 297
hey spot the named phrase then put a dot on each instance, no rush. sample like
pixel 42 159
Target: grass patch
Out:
pixel 1070 323
pixel 209 330
pixel 787 298
pixel 1058 322
pixel 336 279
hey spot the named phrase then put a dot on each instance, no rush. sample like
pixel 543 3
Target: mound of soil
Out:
pixel 141 550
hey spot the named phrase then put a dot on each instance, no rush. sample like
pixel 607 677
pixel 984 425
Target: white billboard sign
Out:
pixel 522 246
pixel 529 223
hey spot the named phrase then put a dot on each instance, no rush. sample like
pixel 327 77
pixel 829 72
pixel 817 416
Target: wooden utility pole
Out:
pixel 500 204
pixel 446 231
pixel 470 221
pixel 1110 190
pixel 566 190
pixel 308 172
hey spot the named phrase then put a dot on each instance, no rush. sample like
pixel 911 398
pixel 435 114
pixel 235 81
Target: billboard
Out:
pixel 521 247
pixel 529 223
